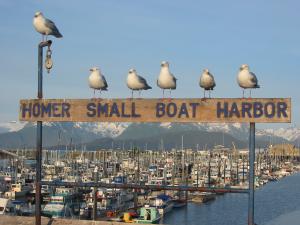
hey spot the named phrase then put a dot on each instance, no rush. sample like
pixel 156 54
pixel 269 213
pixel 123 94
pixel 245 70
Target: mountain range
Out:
pixel 143 135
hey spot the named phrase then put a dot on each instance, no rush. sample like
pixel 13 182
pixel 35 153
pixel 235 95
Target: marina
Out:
pixel 141 186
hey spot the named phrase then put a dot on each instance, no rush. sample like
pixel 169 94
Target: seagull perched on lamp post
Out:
pixel 136 82
pixel 97 80
pixel 207 81
pixel 247 79
pixel 166 79
pixel 45 26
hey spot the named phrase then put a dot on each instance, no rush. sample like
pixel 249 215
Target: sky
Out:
pixel 118 35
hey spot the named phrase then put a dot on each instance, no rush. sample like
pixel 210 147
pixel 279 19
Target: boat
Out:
pixel 17 191
pixel 62 205
pixel 178 203
pixel 3 205
pixel 15 207
pixel 148 215
pixel 163 203
pixel 203 197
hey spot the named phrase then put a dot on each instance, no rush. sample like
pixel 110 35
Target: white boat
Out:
pixel 163 203
pixel 3 205
pixel 17 191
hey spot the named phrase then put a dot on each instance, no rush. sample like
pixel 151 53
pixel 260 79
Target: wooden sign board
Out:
pixel 219 110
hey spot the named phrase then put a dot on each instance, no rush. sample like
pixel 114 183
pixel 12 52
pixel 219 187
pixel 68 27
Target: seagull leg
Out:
pixel 163 93
pixel 243 93
pixel 139 93
pixel 250 93
pixel 94 93
pixel 170 93
pixel 131 94
pixel 208 93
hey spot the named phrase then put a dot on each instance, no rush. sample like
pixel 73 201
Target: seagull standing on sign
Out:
pixel 246 79
pixel 45 26
pixel 166 79
pixel 97 80
pixel 136 82
pixel 207 81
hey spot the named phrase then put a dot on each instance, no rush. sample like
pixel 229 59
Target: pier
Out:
pixel 16 220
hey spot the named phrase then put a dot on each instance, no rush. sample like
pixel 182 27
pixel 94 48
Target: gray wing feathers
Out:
pixel 105 83
pixel 174 79
pixel 54 29
pixel 254 80
pixel 143 80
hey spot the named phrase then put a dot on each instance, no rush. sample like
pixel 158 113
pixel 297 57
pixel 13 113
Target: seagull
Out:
pixel 247 79
pixel 166 80
pixel 97 80
pixel 136 82
pixel 207 81
pixel 45 26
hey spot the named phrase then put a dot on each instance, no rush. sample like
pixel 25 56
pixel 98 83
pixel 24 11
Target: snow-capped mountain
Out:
pixel 104 129
pixel 11 126
pixel 23 134
pixel 237 130
pixel 290 133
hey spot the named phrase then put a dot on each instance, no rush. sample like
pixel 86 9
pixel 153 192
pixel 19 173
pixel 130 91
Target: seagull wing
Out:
pixel 213 80
pixel 50 24
pixel 143 80
pixel 174 78
pixel 254 80
pixel 105 83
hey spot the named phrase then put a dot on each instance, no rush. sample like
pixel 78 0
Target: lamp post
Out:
pixel 39 135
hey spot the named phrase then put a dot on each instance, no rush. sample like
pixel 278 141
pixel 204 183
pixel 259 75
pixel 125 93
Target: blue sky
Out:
pixel 119 35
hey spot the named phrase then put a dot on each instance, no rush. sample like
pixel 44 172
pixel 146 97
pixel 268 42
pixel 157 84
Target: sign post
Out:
pixel 217 110
pixel 251 174
pixel 39 136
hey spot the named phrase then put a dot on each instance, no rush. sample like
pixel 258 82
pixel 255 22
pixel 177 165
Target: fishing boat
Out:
pixel 163 203
pixel 62 205
pixel 203 197
pixel 17 191
pixel 148 215
pixel 15 207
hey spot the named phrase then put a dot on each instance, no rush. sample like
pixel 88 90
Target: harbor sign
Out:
pixel 219 110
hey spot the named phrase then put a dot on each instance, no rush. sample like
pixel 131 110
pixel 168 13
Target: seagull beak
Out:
pixel 91 70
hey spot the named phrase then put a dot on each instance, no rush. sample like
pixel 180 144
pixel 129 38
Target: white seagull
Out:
pixel 246 79
pixel 207 81
pixel 45 26
pixel 166 80
pixel 97 80
pixel 136 82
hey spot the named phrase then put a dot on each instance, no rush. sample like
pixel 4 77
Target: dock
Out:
pixel 21 220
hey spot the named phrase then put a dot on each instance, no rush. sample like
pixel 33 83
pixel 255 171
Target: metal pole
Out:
pixel 251 174
pixel 39 134
pixel 95 196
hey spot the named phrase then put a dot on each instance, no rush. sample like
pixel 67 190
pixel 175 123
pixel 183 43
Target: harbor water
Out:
pixel 275 203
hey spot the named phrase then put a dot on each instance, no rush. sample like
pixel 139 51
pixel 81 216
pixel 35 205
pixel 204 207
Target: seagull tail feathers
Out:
pixel 58 35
